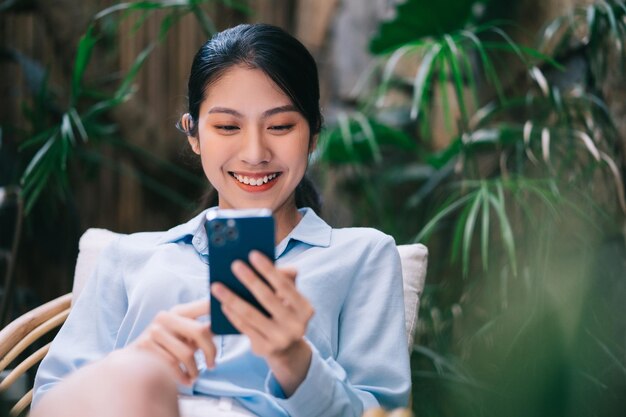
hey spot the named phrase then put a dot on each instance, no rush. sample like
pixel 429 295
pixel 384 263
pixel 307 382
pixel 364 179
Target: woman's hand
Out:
pixel 279 338
pixel 175 335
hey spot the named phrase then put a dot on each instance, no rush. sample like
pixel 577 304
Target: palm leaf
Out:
pixel 490 72
pixel 421 82
pixel 505 227
pixel 441 214
pixel 484 236
pixel 468 231
pixel 83 55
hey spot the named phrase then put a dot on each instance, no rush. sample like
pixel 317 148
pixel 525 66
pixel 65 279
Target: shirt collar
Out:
pixel 311 230
pixel 193 228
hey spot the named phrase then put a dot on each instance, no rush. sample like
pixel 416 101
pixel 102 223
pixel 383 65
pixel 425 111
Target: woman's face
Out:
pixel 253 143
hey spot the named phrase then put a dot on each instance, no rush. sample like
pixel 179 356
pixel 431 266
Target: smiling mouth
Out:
pixel 255 181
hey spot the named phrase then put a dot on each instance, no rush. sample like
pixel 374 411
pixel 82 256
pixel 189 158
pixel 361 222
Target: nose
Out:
pixel 254 150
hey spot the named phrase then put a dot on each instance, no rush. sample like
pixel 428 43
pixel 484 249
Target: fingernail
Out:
pixel 236 266
pixel 217 289
pixel 255 256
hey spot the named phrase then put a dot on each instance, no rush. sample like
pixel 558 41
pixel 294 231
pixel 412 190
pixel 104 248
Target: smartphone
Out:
pixel 232 235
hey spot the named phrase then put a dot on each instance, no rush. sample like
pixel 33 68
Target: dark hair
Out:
pixel 279 55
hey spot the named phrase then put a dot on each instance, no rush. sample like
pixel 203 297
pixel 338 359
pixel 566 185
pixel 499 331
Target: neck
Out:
pixel 286 218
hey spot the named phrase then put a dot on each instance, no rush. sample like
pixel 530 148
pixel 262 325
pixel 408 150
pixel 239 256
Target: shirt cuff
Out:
pixel 312 397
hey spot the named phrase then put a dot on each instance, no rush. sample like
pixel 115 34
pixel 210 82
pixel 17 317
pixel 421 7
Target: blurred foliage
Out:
pixel 417 19
pixel 64 133
pixel 517 186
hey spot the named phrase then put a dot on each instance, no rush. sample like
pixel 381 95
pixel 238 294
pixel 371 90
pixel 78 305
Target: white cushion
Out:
pixel 414 259
pixel 89 247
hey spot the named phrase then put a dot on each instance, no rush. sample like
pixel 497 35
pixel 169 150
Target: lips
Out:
pixel 255 181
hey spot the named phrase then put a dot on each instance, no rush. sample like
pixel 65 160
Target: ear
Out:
pixel 194 142
pixel 313 143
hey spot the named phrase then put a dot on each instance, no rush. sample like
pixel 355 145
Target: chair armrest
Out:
pixel 20 333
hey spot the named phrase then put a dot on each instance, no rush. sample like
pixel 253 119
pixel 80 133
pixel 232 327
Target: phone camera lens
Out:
pixel 217 227
pixel 232 233
pixel 218 240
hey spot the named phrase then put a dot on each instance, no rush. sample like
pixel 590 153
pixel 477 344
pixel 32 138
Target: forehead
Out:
pixel 244 86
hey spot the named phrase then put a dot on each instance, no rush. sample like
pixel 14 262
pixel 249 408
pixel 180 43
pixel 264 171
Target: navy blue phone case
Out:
pixel 232 238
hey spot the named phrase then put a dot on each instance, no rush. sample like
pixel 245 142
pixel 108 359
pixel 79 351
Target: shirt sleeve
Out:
pixel 371 367
pixel 91 328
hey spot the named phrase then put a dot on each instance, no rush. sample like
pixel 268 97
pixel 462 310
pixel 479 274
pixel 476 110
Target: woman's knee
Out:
pixel 125 383
pixel 141 373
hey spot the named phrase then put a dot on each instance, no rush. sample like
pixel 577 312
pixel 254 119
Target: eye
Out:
pixel 227 128
pixel 281 128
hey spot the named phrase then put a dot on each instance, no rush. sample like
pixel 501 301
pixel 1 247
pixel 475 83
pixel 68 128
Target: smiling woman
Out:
pixel 254 147
pixel 334 343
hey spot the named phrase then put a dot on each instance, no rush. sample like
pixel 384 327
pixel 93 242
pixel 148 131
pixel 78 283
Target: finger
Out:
pixel 261 291
pixel 260 329
pixel 290 272
pixel 230 300
pixel 171 361
pixel 287 305
pixel 182 352
pixel 283 281
pixel 259 340
pixel 192 330
pixel 283 286
pixel 193 309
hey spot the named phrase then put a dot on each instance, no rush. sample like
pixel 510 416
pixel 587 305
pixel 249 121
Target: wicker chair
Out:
pixel 20 334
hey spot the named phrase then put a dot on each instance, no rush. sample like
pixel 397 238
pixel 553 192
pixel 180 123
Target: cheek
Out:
pixel 212 157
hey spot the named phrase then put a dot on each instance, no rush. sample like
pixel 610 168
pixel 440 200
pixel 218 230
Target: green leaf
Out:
pixel 457 236
pixel 66 129
pixel 444 157
pixel 416 19
pixel 78 123
pixel 468 231
pixel 366 128
pixel 38 138
pixel 167 23
pixel 38 157
pixel 83 55
pixel 484 236
pixel 32 196
pixel 421 83
pixel 441 69
pixel 240 6
pixel 205 21
pixel 457 77
pixel 490 72
pixel 433 181
pixel 505 227
pixel 471 80
pixel 511 44
pixel 140 5
pixel 360 140
pixel 125 88
pixel 441 214
pixel 390 66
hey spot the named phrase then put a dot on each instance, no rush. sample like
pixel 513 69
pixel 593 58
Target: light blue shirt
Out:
pixel 351 276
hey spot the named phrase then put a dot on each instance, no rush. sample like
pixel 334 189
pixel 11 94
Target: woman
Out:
pixel 335 343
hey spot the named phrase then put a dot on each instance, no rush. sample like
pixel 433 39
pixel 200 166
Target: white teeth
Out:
pixel 255 181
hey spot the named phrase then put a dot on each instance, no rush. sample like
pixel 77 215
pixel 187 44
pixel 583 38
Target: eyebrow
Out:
pixel 266 114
